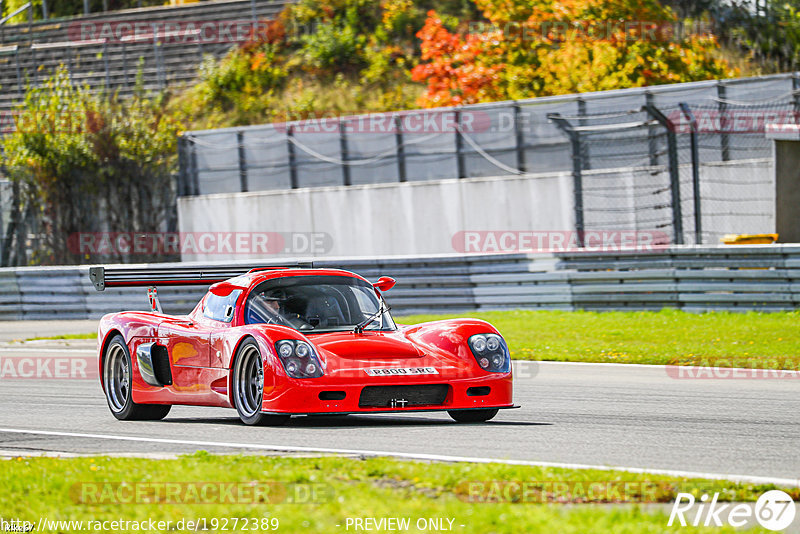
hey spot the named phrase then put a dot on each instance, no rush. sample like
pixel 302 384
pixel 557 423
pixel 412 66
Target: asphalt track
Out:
pixel 638 417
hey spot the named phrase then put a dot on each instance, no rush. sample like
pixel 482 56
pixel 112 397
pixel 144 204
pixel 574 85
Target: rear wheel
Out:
pixel 117 379
pixel 473 416
pixel 248 387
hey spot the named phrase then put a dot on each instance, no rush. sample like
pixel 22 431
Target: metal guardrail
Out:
pixel 737 278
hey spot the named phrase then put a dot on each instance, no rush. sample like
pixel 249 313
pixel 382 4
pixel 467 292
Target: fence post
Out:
pixel 460 170
pixel 14 227
pixel 5 251
pixel 85 7
pixel 345 155
pixel 401 151
pixel 242 161
pixel 182 167
pixel 674 172
pixel 11 229
pixel 292 157
pixel 44 10
pixel 577 171
pixel 587 162
pixel 195 174
pixel 796 93
pixel 698 222
pixel 519 137
pixel 722 106
pixel 17 254
pixel 652 144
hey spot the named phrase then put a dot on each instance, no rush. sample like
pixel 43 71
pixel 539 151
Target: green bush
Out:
pixel 334 47
pixel 90 163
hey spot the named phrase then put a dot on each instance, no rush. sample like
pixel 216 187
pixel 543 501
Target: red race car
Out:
pixel 274 342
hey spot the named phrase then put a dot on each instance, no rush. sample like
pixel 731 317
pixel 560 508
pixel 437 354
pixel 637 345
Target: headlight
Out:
pixel 285 349
pixel 491 352
pixel 298 358
pixel 301 350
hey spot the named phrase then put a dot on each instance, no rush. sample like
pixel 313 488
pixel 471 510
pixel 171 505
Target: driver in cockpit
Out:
pixel 274 304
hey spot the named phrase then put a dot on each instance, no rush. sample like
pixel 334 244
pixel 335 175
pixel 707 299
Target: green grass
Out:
pixel 90 335
pixel 671 337
pixel 762 340
pixel 345 487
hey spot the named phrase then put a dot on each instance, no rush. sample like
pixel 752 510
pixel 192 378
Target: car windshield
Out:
pixel 317 304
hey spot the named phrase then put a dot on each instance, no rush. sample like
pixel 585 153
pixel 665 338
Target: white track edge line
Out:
pixel 44 350
pixel 420 456
pixel 652 366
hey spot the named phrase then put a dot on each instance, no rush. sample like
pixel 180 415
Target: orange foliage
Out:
pixel 460 69
pixel 545 47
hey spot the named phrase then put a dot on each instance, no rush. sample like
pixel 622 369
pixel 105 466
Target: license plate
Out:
pixel 401 371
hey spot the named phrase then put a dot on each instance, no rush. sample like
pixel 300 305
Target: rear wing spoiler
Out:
pixel 102 277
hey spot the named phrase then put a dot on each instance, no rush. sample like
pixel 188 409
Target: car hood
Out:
pixel 367 346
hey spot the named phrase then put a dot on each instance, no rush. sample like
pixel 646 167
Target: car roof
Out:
pixel 253 278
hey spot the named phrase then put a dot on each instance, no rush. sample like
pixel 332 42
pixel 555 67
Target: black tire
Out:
pixel 473 416
pixel 117 370
pixel 248 387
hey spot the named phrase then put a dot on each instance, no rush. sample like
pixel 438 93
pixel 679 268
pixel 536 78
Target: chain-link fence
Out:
pixel 726 164
pixel 621 171
pixel 616 144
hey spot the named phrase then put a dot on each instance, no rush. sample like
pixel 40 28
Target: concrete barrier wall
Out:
pixel 737 278
pixel 423 217
pixel 388 219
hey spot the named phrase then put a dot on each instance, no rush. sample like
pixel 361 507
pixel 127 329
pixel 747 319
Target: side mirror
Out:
pixel 384 283
pixel 223 289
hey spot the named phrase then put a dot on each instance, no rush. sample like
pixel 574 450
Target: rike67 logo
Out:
pixel 774 510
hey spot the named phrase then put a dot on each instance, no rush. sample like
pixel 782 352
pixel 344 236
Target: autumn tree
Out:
pixel 91 163
pixel 541 47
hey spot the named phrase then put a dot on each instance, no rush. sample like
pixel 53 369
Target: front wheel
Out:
pixel 248 387
pixel 473 416
pixel 117 379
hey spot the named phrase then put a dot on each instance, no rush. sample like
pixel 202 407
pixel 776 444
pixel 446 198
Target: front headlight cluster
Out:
pixel 298 358
pixel 491 352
